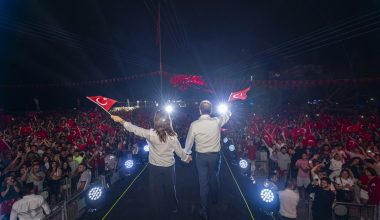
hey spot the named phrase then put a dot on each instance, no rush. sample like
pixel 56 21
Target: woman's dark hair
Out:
pixel 68 169
pixel 163 125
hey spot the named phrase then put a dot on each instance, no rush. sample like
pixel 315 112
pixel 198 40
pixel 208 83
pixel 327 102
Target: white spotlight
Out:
pixel 231 147
pixel 243 164
pixel 146 148
pixel 128 164
pixel 267 195
pixel 169 109
pixel 222 108
pixel 95 193
pixel 225 140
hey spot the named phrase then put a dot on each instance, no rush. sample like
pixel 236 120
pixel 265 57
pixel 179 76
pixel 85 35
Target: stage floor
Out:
pixel 134 204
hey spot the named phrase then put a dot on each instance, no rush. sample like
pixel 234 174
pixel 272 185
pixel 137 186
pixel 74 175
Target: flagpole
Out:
pixel 160 45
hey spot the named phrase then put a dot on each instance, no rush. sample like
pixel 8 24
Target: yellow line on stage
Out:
pixel 241 193
pixel 118 199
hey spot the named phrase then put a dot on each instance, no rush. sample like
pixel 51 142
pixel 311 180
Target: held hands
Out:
pixel 189 159
pixel 117 119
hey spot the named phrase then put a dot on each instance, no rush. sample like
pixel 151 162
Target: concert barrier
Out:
pixel 353 211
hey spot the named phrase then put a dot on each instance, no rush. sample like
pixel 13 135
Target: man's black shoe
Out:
pixel 203 215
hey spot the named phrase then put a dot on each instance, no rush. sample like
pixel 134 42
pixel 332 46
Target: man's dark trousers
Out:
pixel 208 166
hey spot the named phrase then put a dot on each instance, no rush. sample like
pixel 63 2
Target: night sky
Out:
pixel 44 42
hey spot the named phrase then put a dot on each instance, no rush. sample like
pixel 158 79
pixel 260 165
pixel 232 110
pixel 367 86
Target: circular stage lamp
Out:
pixel 128 164
pixel 243 164
pixel 231 147
pixel 267 195
pixel 146 148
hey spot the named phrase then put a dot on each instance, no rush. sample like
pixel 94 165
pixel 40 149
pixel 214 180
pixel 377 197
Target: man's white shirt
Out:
pixel 205 132
pixel 288 203
pixel 30 207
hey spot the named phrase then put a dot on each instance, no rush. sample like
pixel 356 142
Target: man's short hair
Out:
pixel 328 181
pixel 205 107
pixel 83 164
pixel 27 189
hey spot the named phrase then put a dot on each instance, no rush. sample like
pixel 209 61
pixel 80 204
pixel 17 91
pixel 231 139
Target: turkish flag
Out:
pixel 26 130
pixel 241 95
pixel 103 102
pixel 309 141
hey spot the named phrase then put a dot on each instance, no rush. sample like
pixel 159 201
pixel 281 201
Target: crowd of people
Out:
pixel 50 148
pixel 320 158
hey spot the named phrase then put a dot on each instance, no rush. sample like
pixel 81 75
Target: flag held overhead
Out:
pixel 103 102
pixel 239 95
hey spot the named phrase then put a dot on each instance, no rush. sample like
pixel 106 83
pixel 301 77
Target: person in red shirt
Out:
pixel 363 184
pixel 373 187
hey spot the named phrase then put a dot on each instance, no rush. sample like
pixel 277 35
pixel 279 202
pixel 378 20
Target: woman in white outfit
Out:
pixel 163 143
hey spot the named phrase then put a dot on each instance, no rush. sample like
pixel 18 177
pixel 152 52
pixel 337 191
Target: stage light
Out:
pixel 222 108
pixel 231 147
pixel 128 164
pixel 95 196
pixel 267 195
pixel 146 148
pixel 169 109
pixel 225 140
pixel 243 164
pixel 95 193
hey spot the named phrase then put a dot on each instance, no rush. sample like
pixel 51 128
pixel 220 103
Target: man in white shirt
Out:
pixel 110 161
pixel 283 161
pixel 36 177
pixel 205 132
pixel 85 177
pixel 31 206
pixel 289 199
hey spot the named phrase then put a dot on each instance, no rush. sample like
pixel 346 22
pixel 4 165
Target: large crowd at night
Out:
pixel 323 158
pixel 326 157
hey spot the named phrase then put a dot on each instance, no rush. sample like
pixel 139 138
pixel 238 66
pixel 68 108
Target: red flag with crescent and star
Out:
pixel 104 102
pixel 239 95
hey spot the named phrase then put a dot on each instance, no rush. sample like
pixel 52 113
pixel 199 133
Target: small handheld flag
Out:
pixel 107 104
pixel 103 102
